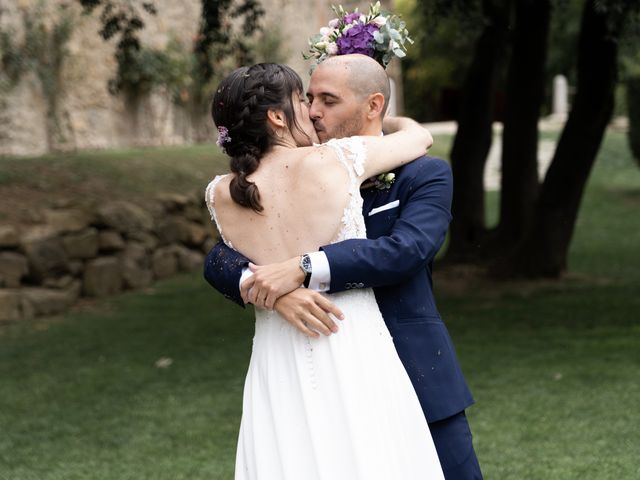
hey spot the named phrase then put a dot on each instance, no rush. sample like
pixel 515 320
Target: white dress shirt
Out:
pixel 320 273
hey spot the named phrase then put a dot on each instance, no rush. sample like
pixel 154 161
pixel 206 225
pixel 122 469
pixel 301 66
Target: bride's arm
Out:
pixel 405 140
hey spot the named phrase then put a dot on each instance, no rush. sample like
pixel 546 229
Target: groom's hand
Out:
pixel 309 311
pixel 270 282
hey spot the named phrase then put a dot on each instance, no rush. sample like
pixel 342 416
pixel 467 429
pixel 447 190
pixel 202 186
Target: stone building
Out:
pixel 70 107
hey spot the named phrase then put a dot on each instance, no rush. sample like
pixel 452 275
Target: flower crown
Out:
pixel 377 35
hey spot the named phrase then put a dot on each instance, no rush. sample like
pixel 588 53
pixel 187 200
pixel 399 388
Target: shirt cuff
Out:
pixel 246 273
pixel 320 273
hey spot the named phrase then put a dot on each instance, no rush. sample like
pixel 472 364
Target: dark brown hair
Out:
pixel 240 105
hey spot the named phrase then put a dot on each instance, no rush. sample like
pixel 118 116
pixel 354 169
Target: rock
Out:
pixel 198 214
pixel 197 235
pixel 58 283
pixel 67 219
pixel 208 244
pixel 37 233
pixel 110 241
pixel 169 229
pixel 8 236
pixel 172 202
pixel 13 267
pixel 46 301
pixel 83 244
pixel 76 267
pixel 125 217
pixel 10 306
pixel 164 262
pixel 136 266
pixel 175 229
pixel 148 240
pixel 45 252
pixel 188 260
pixel 62 203
pixel 102 277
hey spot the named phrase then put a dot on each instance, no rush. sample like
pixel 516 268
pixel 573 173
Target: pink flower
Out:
pixel 379 21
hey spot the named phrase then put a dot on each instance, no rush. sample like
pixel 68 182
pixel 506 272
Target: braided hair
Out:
pixel 240 105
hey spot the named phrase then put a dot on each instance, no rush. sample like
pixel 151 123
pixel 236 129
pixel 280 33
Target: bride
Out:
pixel 337 407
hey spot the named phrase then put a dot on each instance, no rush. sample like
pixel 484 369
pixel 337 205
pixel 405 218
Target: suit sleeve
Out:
pixel 413 242
pixel 223 268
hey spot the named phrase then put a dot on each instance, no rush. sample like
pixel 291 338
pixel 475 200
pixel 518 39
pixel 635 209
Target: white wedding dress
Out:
pixel 333 408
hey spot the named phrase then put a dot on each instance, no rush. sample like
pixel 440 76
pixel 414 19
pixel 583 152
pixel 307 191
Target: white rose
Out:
pixel 332 49
pixel 326 31
pixel 379 21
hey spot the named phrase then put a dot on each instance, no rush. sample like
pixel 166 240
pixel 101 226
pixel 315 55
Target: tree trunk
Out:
pixel 543 252
pixel 473 139
pixel 525 93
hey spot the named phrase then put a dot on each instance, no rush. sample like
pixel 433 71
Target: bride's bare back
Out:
pixel 304 192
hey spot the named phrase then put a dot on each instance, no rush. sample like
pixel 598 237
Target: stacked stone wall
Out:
pixel 83 251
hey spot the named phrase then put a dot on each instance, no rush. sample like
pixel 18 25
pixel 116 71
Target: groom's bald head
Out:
pixel 365 75
pixel 348 95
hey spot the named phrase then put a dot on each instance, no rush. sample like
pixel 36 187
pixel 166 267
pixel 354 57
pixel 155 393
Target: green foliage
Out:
pixel 43 51
pixel 437 61
pixel 219 47
pixel 224 41
pixel 147 68
pixel 268 46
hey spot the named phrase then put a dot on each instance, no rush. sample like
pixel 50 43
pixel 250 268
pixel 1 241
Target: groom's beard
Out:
pixel 349 128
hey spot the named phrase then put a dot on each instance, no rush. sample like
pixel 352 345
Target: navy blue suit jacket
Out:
pixel 396 260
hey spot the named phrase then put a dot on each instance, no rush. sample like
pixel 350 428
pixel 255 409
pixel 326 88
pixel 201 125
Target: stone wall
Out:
pixel 89 117
pixel 79 251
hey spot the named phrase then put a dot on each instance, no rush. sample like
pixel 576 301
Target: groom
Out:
pixel 406 225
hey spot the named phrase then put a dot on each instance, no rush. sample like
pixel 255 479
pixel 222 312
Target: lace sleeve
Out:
pixel 352 154
pixel 209 197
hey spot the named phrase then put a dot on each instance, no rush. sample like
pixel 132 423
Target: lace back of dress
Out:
pixel 351 153
pixel 209 196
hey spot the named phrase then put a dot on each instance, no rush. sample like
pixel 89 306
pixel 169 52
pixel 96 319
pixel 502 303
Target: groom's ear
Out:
pixel 375 105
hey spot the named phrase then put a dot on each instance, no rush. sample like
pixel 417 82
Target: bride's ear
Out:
pixel 276 119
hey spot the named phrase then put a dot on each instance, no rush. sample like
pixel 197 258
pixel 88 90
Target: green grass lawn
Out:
pixel 554 367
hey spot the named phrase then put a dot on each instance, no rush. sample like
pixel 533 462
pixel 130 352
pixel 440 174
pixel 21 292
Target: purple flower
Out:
pixel 358 39
pixel 223 136
pixel 352 17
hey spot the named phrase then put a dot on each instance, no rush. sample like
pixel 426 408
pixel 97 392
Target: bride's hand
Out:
pixel 270 282
pixel 393 124
pixel 309 311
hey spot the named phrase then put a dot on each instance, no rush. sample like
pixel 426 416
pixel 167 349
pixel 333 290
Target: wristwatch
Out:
pixel 305 266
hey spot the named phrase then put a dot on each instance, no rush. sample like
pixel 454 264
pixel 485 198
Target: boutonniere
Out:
pixel 384 181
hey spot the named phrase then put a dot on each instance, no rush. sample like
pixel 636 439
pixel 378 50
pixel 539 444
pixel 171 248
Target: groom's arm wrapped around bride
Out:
pixel 406 226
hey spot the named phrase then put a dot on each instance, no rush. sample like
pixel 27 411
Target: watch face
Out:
pixel 306 263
